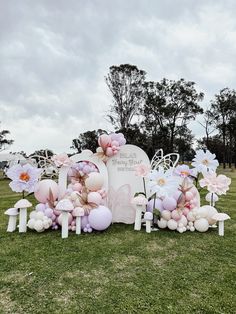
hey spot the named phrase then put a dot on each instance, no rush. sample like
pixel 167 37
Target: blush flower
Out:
pixel 215 184
pixel 62 160
pixel 163 183
pixel 142 170
pixel 205 161
pixel 24 178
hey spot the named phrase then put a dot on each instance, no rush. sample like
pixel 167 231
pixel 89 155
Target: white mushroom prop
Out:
pixel 22 205
pixel 78 212
pixel 12 213
pixel 148 217
pixel 221 217
pixel 65 206
pixel 140 201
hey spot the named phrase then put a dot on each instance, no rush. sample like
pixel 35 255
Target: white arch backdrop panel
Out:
pixel 123 183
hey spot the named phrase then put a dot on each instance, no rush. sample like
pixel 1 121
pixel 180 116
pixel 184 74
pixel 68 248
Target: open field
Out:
pixel 120 270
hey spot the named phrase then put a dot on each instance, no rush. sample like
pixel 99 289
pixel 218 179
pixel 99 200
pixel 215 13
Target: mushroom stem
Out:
pixel 23 220
pixel 78 225
pixel 138 217
pixel 64 225
pixel 11 224
pixel 62 181
pixel 221 228
pixel 148 226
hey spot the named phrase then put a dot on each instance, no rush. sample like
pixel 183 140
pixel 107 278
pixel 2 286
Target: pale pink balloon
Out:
pixel 77 187
pixel 57 212
pixel 94 197
pixel 176 215
pixel 185 211
pixel 169 203
pixel 70 218
pixel 43 188
pixel 109 152
pixel 104 141
pixel 94 182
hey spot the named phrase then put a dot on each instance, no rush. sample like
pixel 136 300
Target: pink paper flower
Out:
pixel 24 178
pixel 142 170
pixel 62 160
pixel 215 184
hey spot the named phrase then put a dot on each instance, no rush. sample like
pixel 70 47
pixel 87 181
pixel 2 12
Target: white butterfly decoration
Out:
pixel 45 163
pixel 168 161
pixel 119 201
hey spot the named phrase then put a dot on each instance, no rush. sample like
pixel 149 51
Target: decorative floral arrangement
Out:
pixel 174 198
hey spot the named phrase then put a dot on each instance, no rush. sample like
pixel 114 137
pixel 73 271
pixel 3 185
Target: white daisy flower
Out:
pixel 205 161
pixel 163 183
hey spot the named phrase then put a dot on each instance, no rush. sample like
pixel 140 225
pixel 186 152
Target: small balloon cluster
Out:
pixel 41 218
pixel 109 145
pixel 182 211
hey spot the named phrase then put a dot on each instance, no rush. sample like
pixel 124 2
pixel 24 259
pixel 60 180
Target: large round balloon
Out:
pixel 100 218
pixel 94 182
pixel 43 188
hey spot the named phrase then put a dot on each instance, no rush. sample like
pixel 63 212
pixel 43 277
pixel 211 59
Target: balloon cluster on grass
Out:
pixel 109 145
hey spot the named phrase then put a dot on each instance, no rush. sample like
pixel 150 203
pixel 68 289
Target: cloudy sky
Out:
pixel 54 55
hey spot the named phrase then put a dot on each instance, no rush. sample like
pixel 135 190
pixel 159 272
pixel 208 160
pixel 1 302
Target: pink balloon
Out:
pixel 100 218
pixel 43 188
pixel 56 212
pixel 176 215
pixel 169 203
pixel 104 141
pixel 186 211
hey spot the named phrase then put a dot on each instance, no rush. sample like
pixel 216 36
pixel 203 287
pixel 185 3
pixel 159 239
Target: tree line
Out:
pixel 155 115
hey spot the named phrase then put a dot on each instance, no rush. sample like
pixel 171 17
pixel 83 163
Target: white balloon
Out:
pixel 162 223
pixel 192 229
pixel 166 214
pixel 191 216
pixel 33 214
pixel 201 225
pixel 38 226
pixel 39 215
pixel 31 223
pixel 211 211
pixel 172 224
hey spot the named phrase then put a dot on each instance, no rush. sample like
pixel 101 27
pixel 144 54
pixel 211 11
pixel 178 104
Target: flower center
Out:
pixel 184 173
pixel 24 176
pixel 161 182
pixel 205 162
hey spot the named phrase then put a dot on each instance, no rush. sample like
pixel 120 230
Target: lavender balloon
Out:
pixel 158 205
pixel 100 218
pixel 169 203
pixel 84 221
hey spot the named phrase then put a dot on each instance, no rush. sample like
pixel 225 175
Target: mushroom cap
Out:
pixel 139 200
pixel 23 203
pixel 78 212
pixel 220 217
pixel 11 211
pixel 65 205
pixel 148 216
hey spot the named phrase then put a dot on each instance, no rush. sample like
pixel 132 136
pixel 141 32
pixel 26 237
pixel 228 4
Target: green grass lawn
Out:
pixel 119 270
